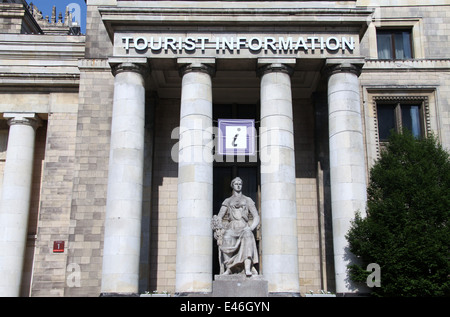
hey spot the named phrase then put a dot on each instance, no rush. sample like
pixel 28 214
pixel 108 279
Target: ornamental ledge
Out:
pixel 93 64
pixel 407 65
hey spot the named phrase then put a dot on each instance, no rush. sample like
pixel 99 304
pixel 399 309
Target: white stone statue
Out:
pixel 235 239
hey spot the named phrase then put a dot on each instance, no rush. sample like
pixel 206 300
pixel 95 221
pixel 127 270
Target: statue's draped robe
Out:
pixel 238 242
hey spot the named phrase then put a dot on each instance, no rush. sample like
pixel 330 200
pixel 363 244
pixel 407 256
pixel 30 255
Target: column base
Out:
pixel 119 295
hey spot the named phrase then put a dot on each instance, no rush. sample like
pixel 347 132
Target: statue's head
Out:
pixel 236 184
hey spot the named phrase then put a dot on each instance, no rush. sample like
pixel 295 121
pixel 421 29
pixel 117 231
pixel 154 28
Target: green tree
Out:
pixel 406 230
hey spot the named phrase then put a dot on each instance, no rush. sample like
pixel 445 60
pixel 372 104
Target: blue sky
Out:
pixel 46 7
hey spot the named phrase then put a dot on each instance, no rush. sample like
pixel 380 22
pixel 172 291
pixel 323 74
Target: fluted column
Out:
pixel 15 203
pixel 278 201
pixel 195 181
pixel 120 272
pixel 347 161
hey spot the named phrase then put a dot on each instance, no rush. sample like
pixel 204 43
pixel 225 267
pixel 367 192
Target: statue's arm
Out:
pixel 222 211
pixel 256 219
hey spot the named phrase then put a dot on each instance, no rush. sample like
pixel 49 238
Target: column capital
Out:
pixel 141 69
pixel 273 68
pixel 126 64
pixel 335 66
pixel 197 67
pixel 30 119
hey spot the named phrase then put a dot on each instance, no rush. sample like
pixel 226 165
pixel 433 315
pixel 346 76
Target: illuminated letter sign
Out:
pixel 158 45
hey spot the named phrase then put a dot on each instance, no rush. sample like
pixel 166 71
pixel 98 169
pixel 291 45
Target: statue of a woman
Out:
pixel 237 245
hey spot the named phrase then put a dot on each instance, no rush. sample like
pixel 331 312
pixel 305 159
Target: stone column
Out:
pixel 347 161
pixel 195 182
pixel 278 201
pixel 15 203
pixel 122 240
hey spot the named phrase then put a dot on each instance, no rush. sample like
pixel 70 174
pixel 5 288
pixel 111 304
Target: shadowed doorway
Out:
pixel 225 170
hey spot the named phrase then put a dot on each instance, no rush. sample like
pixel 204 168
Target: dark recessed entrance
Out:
pixel 227 168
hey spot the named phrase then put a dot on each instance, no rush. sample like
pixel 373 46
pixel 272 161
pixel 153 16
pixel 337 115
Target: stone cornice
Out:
pixel 310 15
pixel 41 47
pixel 116 16
pixel 52 81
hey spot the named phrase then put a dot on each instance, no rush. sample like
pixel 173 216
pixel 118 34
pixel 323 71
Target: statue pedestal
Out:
pixel 239 285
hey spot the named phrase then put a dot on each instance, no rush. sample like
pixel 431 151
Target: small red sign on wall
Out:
pixel 58 246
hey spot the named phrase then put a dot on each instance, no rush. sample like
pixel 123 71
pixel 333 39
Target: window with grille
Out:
pixel 396 113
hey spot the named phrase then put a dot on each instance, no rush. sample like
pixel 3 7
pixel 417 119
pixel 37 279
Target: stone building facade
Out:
pixel 110 174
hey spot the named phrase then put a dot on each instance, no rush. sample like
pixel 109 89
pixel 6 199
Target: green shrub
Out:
pixel 406 229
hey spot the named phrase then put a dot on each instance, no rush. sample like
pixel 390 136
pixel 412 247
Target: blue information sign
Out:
pixel 236 137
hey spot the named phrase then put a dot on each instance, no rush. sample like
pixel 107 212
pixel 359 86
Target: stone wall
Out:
pixel 50 204
pixel 90 176
pixel 164 198
pixel 98 44
pixel 54 191
pixel 307 199
pixel 427 75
